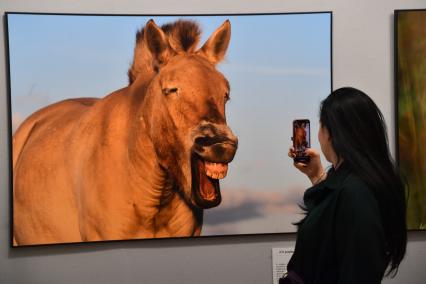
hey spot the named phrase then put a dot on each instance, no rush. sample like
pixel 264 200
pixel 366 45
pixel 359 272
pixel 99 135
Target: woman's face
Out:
pixel 324 139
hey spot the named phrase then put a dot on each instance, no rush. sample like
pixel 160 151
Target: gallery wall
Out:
pixel 362 57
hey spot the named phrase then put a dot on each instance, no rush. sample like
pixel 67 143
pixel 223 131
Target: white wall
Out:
pixel 362 57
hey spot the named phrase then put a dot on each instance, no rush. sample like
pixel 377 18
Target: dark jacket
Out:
pixel 341 239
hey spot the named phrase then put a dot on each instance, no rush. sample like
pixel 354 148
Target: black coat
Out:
pixel 341 239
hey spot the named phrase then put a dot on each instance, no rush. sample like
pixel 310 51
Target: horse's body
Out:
pixel 143 162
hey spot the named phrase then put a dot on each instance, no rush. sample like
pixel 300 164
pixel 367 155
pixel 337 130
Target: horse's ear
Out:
pixel 215 47
pixel 157 42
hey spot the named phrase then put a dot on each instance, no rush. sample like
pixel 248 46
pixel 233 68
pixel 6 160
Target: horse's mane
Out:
pixel 183 35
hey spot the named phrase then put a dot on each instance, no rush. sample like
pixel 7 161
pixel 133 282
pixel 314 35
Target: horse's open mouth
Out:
pixel 205 181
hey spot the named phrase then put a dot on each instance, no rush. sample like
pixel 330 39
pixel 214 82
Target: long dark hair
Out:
pixel 359 138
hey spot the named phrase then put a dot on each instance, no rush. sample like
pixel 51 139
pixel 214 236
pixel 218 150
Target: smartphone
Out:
pixel 301 139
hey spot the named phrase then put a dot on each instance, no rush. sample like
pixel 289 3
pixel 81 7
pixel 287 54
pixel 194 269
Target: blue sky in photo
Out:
pixel 278 67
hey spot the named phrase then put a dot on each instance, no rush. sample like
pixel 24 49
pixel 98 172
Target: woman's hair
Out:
pixel 359 138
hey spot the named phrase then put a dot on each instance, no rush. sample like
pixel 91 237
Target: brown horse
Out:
pixel 300 140
pixel 142 162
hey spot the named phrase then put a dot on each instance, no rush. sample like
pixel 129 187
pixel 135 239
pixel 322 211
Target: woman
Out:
pixel 355 225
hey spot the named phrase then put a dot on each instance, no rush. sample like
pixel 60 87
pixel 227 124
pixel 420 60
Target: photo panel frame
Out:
pixel 215 95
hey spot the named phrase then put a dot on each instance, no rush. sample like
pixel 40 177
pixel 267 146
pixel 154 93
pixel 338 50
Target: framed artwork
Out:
pixel 160 126
pixel 410 86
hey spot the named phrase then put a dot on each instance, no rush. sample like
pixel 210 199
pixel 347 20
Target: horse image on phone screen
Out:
pixel 300 137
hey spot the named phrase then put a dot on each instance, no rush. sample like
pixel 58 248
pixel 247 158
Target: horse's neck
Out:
pixel 173 216
pixel 148 173
pixel 176 219
pixel 145 170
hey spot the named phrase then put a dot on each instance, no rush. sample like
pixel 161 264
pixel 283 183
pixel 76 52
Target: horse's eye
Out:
pixel 168 91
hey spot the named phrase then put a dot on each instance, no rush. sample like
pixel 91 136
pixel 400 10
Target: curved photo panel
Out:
pixel 141 127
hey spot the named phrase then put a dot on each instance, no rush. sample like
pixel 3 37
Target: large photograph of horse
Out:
pixel 410 27
pixel 141 127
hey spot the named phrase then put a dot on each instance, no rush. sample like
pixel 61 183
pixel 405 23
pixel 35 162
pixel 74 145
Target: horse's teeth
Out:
pixel 216 170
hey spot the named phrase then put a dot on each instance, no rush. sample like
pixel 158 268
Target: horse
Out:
pixel 142 162
pixel 300 140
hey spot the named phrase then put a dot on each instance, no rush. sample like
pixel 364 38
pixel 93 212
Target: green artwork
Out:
pixel 411 106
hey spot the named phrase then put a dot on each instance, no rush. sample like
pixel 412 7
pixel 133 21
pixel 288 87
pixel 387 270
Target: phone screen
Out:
pixel 301 139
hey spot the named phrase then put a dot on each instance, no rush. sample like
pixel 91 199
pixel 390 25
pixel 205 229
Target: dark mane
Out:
pixel 183 36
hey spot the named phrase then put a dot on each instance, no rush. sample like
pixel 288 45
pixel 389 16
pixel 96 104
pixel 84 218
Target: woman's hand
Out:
pixel 313 169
